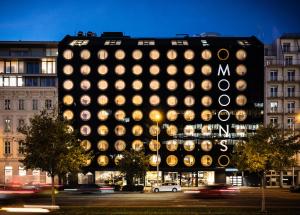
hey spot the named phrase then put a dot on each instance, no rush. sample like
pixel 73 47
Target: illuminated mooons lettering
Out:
pixel 224 100
pixel 223 160
pixel 223 71
pixel 223 115
pixel 223 85
pixel 223 144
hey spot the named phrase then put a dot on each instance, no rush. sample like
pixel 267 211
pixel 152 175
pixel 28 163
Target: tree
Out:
pixel 51 146
pixel 269 149
pixel 134 164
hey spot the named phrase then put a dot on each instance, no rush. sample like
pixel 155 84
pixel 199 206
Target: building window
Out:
pixel 274 75
pixel 79 43
pixel 120 54
pixel 112 42
pixel 7 125
pixel 49 67
pixel 274 91
pixel 288 60
pixel 291 91
pixel 146 43
pixel 290 122
pixel 291 107
pixel 273 107
pixel 21 104
pixel 7 149
pixel 21 147
pixel 274 120
pixel 34 104
pixel 286 47
pixel 51 52
pixel 7 104
pixel 22 171
pixel 179 43
pixel 31 81
pixel 291 75
pixel 33 68
pixel 48 104
pixel 21 123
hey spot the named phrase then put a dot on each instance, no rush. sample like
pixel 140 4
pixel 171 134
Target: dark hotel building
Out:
pixel 196 95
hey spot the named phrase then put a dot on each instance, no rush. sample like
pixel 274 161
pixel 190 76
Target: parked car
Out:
pixel 215 191
pixel 295 189
pixel 166 187
pixel 89 188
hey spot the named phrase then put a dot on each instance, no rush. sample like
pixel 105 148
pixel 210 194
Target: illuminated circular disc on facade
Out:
pixel 120 85
pixel 189 69
pixel 85 69
pixel 86 145
pixel 206 70
pixel 189 130
pixel 102 100
pixel 102 160
pixel 102 145
pixel 171 69
pixel 206 54
pixel 241 85
pixel 120 54
pixel 223 160
pixel 103 115
pixel 68 54
pixel 189 160
pixel 137 145
pixel 241 100
pixel 102 130
pixel 85 115
pixel 102 54
pixel 241 70
pixel 102 70
pixel 137 69
pixel 206 160
pixel 85 54
pixel 120 130
pixel 137 100
pixel 85 85
pixel 172 115
pixel 189 54
pixel 206 85
pixel 206 130
pixel 68 114
pixel 189 145
pixel 154 85
pixel 189 101
pixel 137 54
pixel 206 101
pixel 85 130
pixel 172 160
pixel 206 145
pixel 154 54
pixel 85 100
pixel 102 84
pixel 120 100
pixel 172 101
pixel 172 145
pixel 189 85
pixel 120 69
pixel 120 115
pixel 223 54
pixel 154 100
pixel 120 145
pixel 172 130
pixel 137 84
pixel 137 115
pixel 137 130
pixel 241 115
pixel 154 160
pixel 68 85
pixel 68 70
pixel 154 145
pixel 154 69
pixel 68 100
pixel 171 54
pixel 172 85
pixel 155 115
pixel 189 115
pixel 206 115
pixel 118 158
pixel 154 130
pixel 241 54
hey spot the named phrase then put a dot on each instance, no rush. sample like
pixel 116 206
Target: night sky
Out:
pixel 51 20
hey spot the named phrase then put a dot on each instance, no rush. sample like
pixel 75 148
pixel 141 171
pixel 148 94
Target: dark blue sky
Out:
pixel 51 20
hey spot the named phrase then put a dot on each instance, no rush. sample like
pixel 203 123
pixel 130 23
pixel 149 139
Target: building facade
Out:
pixel 185 101
pixel 28 84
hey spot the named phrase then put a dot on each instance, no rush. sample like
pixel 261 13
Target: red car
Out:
pixel 215 191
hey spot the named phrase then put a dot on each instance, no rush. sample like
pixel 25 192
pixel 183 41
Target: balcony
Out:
pixel 283 63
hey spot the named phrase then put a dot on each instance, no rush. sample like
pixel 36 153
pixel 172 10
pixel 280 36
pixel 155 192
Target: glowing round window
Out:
pixel 85 54
pixel 154 70
pixel 189 69
pixel 137 85
pixel 172 115
pixel 137 100
pixel 103 115
pixel 102 130
pixel 137 145
pixel 120 85
pixel 102 160
pixel 119 69
pixel 189 115
pixel 102 54
pixel 241 115
pixel 68 85
pixel 241 85
pixel 206 54
pixel 102 70
pixel 206 160
pixel 102 100
pixel 68 100
pixel 102 84
pixel 206 70
pixel 154 145
pixel 172 101
pixel 120 54
pixel 154 85
pixel 120 130
pixel 68 114
pixel 172 145
pixel 68 54
pixel 206 101
pixel 102 145
pixel 172 160
pixel 85 85
pixel 154 130
pixel 85 69
pixel 137 69
pixel 206 145
pixel 137 115
pixel 155 115
pixel 137 54
pixel 189 160
pixel 85 115
pixel 120 145
pixel 172 130
pixel 154 100
pixel 85 100
pixel 171 54
pixel 189 145
pixel 86 145
pixel 85 130
pixel 189 130
pixel 241 54
pixel 206 115
pixel 118 158
pixel 206 85
pixel 120 100
pixel 171 69
pixel 68 69
pixel 172 85
pixel 189 101
pixel 241 70
pixel 154 160
pixel 189 54
pixel 137 130
pixel 189 85
pixel 206 130
pixel 120 115
pixel 154 54
pixel 241 100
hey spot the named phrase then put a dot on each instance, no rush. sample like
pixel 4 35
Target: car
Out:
pixel 215 191
pixel 88 188
pixel 295 189
pixel 166 187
